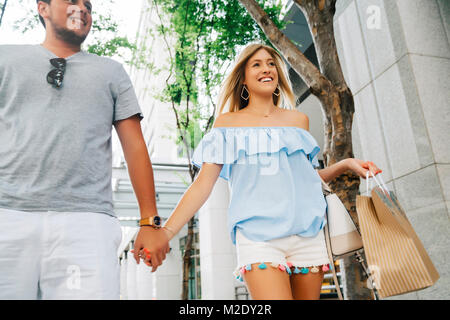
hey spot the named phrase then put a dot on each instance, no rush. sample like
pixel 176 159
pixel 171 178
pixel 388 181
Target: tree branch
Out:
pixel 305 68
pixel 3 11
pixel 165 41
pixel 320 20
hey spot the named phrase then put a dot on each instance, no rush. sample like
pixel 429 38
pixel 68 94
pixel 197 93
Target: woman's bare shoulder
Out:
pixel 224 119
pixel 296 118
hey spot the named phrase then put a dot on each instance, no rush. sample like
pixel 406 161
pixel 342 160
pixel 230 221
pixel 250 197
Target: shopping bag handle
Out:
pixel 382 185
pixel 396 213
pixel 367 183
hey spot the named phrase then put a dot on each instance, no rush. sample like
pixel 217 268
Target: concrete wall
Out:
pixel 396 60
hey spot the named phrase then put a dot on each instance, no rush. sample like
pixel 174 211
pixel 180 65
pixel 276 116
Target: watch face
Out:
pixel 157 220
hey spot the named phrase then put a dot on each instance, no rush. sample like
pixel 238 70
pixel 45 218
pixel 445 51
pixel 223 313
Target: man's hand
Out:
pixel 152 245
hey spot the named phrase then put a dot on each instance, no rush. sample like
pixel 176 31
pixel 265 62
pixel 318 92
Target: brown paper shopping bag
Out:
pixel 396 257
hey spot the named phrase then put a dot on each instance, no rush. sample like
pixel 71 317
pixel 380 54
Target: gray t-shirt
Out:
pixel 55 143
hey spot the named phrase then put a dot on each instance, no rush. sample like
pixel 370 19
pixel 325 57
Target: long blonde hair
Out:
pixel 232 85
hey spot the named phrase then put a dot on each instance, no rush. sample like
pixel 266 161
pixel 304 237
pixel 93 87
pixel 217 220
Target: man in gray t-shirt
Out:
pixel 55 143
pixel 58 232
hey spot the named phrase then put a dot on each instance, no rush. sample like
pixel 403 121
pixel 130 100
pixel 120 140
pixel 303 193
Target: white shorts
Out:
pixel 293 254
pixel 59 255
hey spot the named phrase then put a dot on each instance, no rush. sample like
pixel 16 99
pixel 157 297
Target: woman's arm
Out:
pixel 194 198
pixel 359 167
pixel 198 192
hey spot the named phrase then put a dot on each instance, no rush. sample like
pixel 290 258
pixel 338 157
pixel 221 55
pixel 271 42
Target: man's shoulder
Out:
pixel 106 61
pixel 15 46
pixel 8 48
pixel 12 54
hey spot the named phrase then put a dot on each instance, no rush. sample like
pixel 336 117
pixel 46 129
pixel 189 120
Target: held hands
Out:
pixel 360 167
pixel 151 245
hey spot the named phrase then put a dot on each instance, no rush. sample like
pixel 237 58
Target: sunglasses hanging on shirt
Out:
pixel 55 77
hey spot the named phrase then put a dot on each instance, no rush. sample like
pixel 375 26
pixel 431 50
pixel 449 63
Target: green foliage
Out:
pixel 113 47
pixel 207 35
pixel 105 38
pixel 29 21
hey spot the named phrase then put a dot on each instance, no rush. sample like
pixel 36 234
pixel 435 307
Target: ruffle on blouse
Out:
pixel 227 145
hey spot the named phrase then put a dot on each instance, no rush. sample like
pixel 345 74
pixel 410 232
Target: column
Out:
pixel 217 253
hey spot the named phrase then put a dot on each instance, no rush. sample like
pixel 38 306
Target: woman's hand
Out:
pixel 360 167
pixel 151 245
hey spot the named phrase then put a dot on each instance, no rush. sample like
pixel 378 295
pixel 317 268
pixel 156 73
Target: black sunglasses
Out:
pixel 56 76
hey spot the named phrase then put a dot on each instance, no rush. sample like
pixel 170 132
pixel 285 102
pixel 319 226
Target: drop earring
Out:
pixel 275 92
pixel 242 93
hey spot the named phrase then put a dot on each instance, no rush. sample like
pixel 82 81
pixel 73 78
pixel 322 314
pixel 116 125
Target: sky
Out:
pixel 126 12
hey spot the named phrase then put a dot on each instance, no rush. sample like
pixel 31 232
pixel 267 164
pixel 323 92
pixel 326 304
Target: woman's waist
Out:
pixel 283 211
pixel 269 197
pixel 275 226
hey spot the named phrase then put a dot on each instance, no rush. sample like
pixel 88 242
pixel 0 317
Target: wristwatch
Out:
pixel 154 221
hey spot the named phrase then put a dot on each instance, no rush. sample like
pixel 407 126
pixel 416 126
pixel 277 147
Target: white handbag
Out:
pixel 345 238
pixel 341 235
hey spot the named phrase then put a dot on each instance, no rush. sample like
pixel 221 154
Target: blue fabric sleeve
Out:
pixel 226 145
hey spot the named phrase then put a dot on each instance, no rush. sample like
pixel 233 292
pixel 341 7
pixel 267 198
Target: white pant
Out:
pixel 59 255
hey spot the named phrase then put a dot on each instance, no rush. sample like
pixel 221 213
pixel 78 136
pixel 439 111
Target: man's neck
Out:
pixel 60 48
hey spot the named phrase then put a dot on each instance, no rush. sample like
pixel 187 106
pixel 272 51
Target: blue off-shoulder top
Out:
pixel 275 190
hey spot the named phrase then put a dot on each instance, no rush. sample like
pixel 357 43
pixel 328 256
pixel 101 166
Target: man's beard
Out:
pixel 69 36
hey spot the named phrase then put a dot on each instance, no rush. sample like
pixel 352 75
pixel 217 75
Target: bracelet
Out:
pixel 170 230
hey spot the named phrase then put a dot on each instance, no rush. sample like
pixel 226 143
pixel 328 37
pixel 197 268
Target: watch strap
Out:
pixel 151 221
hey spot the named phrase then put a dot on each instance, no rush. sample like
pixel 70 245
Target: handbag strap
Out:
pixel 325 187
pixel 326 191
pixel 332 267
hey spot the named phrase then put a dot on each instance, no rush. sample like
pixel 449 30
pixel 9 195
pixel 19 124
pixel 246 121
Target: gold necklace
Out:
pixel 265 115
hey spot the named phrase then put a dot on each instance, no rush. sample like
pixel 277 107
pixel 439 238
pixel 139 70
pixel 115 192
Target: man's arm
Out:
pixel 141 175
pixel 139 165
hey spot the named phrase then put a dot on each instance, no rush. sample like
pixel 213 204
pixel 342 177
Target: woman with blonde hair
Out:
pixel 277 210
